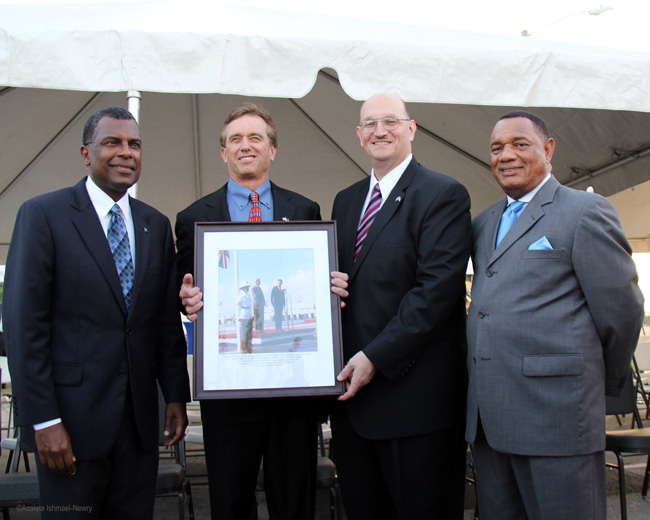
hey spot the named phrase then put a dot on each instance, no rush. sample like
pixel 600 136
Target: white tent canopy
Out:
pixel 195 60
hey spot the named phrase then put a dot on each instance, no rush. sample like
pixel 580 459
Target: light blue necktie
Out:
pixel 118 240
pixel 508 218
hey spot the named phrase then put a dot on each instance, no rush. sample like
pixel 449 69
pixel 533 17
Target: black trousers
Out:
pixel 119 485
pixel 410 478
pixel 234 452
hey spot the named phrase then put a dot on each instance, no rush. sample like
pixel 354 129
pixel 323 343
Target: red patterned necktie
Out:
pixel 256 213
pixel 368 217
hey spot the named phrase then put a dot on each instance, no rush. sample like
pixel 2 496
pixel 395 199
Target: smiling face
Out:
pixel 386 149
pixel 114 156
pixel 519 156
pixel 248 152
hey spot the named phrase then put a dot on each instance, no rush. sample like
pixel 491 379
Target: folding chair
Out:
pixel 627 442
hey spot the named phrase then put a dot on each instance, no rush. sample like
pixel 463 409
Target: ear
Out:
pixel 359 136
pixel 549 148
pixel 223 155
pixel 85 154
pixel 412 128
pixel 273 151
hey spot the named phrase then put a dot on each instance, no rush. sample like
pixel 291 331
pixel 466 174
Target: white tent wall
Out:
pixel 60 62
pixel 319 152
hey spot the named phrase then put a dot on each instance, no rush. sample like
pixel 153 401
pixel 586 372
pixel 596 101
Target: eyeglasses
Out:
pixel 388 122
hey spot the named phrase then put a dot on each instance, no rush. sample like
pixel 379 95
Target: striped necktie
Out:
pixel 256 213
pixel 368 217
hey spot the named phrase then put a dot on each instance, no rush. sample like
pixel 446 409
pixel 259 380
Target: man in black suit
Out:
pixel 85 343
pixel 398 429
pixel 238 433
pixel 278 302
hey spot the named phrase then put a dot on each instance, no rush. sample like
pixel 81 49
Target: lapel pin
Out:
pixel 285 219
pixel 398 199
pixel 146 230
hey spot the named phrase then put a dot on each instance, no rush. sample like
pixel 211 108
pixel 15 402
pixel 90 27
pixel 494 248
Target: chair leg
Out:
pixel 646 479
pixel 190 502
pixel 621 485
pixel 181 504
pixel 332 503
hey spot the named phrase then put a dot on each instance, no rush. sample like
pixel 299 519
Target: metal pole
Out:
pixel 133 98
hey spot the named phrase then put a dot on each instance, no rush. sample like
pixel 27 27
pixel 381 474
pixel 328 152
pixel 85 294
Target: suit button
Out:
pixel 489 273
pixel 122 373
pixel 128 332
pixel 481 314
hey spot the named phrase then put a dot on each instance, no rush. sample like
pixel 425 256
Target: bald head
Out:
pixel 385 132
pixel 386 97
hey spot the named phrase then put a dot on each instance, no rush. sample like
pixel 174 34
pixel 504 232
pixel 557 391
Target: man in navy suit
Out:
pixel 398 429
pixel 85 347
pixel 238 433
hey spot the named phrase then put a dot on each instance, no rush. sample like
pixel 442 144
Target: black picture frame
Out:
pixel 240 354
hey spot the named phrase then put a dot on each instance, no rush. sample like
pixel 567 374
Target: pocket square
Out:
pixel 542 243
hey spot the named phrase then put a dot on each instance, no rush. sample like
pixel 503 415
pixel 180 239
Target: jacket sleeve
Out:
pixel 608 279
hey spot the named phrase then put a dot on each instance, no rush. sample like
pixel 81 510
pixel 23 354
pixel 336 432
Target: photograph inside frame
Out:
pixel 268 328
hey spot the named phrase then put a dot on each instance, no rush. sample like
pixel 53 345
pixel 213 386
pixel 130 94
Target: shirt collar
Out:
pixel 389 180
pixel 529 196
pixel 103 203
pixel 240 193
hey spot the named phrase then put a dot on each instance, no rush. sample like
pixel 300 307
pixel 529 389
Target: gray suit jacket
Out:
pixel 550 331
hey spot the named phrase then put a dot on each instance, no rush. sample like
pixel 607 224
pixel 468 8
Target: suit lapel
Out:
pixel 528 218
pixel 142 248
pixel 349 232
pixel 282 207
pixel 216 207
pixel 90 229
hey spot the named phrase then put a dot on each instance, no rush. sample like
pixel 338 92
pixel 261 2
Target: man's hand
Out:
pixel 357 373
pixel 191 297
pixel 340 284
pixel 174 412
pixel 54 449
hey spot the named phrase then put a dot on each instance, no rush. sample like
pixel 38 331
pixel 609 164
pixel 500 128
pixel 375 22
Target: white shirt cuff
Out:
pixel 47 424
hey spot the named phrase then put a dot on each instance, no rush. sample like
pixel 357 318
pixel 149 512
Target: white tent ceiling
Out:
pixel 61 62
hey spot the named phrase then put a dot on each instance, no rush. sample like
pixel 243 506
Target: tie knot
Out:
pixel 254 197
pixel 516 207
pixel 115 210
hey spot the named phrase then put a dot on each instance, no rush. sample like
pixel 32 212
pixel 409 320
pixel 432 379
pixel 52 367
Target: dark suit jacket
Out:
pixel 72 348
pixel 550 330
pixel 406 307
pixel 214 208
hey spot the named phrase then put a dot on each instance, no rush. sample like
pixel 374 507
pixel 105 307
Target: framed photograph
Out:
pixel 270 325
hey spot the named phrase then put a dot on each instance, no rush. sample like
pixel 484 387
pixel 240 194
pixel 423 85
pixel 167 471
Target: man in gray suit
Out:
pixel 554 320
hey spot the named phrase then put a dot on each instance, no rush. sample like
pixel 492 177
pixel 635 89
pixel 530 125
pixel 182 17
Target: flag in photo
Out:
pixel 224 259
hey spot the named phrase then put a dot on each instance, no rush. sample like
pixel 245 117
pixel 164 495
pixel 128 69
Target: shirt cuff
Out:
pixel 46 424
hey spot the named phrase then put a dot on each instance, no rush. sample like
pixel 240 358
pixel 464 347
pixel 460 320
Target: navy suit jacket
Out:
pixel 406 308
pixel 72 348
pixel 214 208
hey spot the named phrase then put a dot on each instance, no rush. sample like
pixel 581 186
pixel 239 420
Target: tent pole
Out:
pixel 133 98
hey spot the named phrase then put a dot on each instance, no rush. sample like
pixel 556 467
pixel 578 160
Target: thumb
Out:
pixel 188 280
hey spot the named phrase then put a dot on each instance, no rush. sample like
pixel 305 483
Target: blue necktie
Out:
pixel 508 218
pixel 118 240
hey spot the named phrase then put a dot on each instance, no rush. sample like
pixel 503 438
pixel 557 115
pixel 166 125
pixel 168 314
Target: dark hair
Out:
pixel 538 122
pixel 91 125
pixel 255 110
